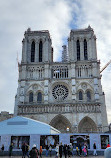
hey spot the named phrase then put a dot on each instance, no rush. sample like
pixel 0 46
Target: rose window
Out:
pixel 60 92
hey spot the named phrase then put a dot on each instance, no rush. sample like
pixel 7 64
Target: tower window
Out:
pixel 85 50
pixel 80 95
pixel 40 51
pixel 30 97
pixel 88 96
pixel 39 97
pixel 33 51
pixel 78 49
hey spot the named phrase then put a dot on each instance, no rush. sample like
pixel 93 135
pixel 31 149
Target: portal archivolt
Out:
pixel 87 125
pixel 61 123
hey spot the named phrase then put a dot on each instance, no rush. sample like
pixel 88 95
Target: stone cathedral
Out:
pixel 68 94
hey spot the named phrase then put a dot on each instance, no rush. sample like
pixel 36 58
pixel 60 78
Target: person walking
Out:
pixel 94 147
pixel 33 152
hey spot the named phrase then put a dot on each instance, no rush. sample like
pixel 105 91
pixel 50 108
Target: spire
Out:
pixel 64 54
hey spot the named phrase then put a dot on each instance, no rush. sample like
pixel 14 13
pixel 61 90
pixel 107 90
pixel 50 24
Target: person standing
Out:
pixel 65 150
pixel 50 150
pixel 40 152
pixel 94 147
pixel 77 151
pixel 33 152
pixel 47 148
pixel 57 150
pixel 80 149
pixel 27 150
pixel 60 150
pixel 85 151
pixel 23 150
pixel 69 150
pixel 2 149
pixel 10 149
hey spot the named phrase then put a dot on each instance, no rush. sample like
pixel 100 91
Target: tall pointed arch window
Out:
pixel 40 51
pixel 33 51
pixel 85 50
pixel 78 49
pixel 80 95
pixel 30 97
pixel 88 96
pixel 39 97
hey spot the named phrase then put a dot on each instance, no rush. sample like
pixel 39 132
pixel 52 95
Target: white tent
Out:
pixel 18 129
pixel 23 126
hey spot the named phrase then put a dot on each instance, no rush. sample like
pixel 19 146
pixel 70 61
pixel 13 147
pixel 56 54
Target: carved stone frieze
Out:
pixel 59 108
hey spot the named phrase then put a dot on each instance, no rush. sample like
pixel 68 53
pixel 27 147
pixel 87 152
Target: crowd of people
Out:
pixel 69 150
pixel 66 150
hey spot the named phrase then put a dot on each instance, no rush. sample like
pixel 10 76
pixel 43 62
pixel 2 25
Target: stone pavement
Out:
pixel 54 157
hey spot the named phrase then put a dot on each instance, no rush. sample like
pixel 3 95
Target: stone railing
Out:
pixel 60 108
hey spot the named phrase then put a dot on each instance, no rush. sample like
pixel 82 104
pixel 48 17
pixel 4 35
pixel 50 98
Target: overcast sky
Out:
pixel 59 17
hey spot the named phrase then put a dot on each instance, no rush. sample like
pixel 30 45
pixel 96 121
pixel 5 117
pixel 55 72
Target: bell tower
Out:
pixel 82 45
pixel 36 47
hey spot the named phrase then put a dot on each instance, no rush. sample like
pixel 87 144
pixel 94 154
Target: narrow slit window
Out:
pixel 33 51
pixel 85 50
pixel 39 97
pixel 80 95
pixel 40 51
pixel 88 96
pixel 30 97
pixel 78 49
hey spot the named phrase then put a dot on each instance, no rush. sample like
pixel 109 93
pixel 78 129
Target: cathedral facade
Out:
pixel 68 94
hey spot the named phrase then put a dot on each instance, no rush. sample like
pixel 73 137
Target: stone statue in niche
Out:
pixel 46 92
pixel 73 91
pixel 22 92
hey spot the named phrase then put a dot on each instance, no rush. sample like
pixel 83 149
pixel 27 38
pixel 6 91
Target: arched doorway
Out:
pixel 61 123
pixel 87 125
pixel 78 140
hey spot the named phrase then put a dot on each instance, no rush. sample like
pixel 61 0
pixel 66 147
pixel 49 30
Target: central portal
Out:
pixel 61 123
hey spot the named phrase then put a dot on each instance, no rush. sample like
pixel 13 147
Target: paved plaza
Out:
pixel 54 157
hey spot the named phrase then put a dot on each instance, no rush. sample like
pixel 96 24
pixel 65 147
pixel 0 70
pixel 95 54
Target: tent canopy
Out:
pixel 25 126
